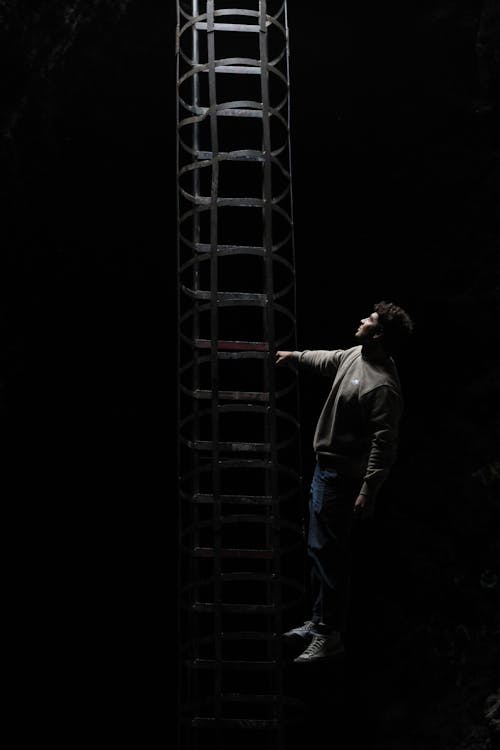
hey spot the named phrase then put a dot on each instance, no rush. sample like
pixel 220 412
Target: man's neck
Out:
pixel 373 352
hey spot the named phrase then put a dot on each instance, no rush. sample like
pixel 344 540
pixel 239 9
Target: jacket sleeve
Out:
pixel 320 361
pixel 383 408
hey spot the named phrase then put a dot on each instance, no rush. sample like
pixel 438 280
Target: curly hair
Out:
pixel 396 323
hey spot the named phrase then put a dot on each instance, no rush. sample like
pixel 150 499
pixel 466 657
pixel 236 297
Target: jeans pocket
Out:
pixel 323 488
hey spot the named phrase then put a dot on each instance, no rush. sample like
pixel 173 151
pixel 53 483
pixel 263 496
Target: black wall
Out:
pixel 396 187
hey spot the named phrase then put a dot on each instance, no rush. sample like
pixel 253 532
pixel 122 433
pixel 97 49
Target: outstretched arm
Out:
pixel 322 361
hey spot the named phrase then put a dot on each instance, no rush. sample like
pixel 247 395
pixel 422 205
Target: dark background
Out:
pixel 396 159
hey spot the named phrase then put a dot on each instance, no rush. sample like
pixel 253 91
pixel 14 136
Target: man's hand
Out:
pixel 282 357
pixel 363 507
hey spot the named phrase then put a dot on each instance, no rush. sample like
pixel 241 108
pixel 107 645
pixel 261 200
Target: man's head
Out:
pixel 388 327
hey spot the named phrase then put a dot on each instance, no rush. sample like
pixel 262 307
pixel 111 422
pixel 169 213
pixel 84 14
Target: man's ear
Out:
pixel 379 335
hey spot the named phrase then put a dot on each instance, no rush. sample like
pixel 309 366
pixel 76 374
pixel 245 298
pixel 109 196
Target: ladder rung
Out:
pixel 237 346
pixel 232 664
pixel 245 155
pixel 226 296
pixel 235 499
pixel 252 70
pixel 248 635
pixel 247 554
pixel 203 247
pixel 234 112
pixel 235 608
pixel 202 722
pixel 236 447
pixel 232 395
pixel 245 27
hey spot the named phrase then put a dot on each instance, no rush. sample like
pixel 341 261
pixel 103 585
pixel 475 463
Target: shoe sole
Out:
pixel 335 653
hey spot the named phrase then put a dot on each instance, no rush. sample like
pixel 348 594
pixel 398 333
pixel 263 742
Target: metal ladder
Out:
pixel 239 448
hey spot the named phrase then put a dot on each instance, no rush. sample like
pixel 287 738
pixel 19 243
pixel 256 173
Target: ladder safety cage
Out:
pixel 240 525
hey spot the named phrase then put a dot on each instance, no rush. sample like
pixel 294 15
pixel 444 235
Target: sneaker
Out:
pixel 321 647
pixel 305 631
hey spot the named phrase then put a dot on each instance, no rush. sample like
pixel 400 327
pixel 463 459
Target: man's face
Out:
pixel 368 328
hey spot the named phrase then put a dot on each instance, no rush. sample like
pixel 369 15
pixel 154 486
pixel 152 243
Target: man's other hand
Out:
pixel 363 507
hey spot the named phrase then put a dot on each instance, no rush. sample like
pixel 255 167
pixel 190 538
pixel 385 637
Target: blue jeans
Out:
pixel 331 512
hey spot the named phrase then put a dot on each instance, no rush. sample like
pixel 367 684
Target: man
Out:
pixel 355 444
